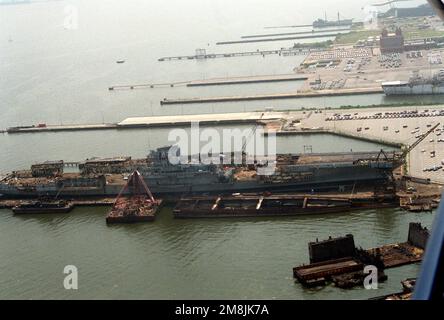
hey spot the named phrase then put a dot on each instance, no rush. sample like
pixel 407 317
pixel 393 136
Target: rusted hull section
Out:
pixel 396 255
pixel 337 260
pixel 319 273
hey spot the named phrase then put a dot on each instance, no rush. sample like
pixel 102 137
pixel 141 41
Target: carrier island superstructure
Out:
pixel 105 177
pixel 417 84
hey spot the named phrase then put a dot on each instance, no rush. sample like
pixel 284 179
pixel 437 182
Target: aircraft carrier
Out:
pixel 106 177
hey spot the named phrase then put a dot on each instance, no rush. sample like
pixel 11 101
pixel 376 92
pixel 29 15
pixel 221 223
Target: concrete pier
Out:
pixel 313 36
pixel 274 96
pixel 246 80
pixel 284 52
pixel 55 128
pixel 293 33
pixel 160 121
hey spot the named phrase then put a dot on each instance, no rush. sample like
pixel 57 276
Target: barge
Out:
pixel 43 207
pixel 246 205
pixel 338 260
pixel 138 206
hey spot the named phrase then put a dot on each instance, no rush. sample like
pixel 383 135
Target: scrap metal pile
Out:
pixel 135 203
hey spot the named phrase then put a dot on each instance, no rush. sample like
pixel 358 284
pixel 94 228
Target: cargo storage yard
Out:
pixel 88 121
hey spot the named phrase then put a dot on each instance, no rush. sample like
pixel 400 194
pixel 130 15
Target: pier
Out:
pixel 313 36
pixel 247 80
pixel 274 96
pixel 215 82
pixel 292 33
pixel 406 124
pixel 284 52
pixel 159 121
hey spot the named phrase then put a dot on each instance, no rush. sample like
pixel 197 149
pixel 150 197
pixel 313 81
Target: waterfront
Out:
pixel 53 75
pixel 176 259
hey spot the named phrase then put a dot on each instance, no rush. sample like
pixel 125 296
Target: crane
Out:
pixel 398 158
pixel 406 151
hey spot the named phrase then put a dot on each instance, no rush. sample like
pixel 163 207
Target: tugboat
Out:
pixel 43 207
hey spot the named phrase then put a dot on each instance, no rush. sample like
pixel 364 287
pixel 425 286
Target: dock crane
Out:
pixel 399 160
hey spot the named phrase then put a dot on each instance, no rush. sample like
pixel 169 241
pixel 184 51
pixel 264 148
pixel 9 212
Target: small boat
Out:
pixel 120 61
pixel 43 207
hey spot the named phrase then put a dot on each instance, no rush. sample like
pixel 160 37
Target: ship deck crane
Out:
pixel 244 145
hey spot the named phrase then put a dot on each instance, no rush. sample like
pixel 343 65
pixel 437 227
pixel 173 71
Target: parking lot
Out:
pixel 370 71
pixel 395 125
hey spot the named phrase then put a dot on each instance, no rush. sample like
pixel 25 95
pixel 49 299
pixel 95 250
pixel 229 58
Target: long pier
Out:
pixel 313 36
pixel 284 52
pixel 284 27
pixel 247 80
pixel 274 96
pixel 293 33
pixel 159 121
pixel 214 82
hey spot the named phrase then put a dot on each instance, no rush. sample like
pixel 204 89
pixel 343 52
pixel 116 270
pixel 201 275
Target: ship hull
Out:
pixel 423 89
pixel 320 179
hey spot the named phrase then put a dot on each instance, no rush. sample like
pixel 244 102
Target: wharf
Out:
pixel 246 80
pixel 56 128
pixel 203 119
pixel 161 121
pixel 214 82
pixel 312 36
pixel 275 96
pixel 284 52
pixel 293 33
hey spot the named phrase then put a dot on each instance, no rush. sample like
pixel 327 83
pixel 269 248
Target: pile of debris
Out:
pixel 408 285
pixel 135 203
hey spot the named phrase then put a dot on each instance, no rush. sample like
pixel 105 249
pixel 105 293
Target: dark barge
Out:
pixel 338 260
pixel 254 205
pixel 43 207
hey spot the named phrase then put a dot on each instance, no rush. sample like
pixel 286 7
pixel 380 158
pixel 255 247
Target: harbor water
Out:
pixel 53 73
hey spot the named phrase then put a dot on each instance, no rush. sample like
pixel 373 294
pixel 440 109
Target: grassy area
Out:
pixel 320 44
pixel 426 33
pixel 353 36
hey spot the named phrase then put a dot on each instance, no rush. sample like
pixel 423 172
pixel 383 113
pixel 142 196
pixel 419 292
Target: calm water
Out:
pixel 54 75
